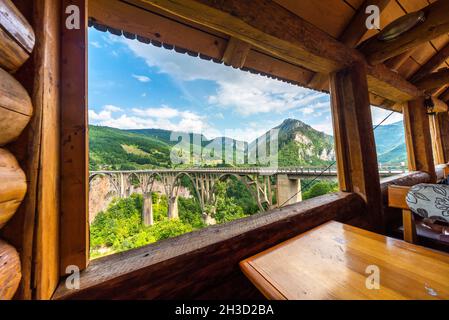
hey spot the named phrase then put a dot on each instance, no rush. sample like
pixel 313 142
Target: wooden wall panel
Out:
pixel 74 152
pixel 418 139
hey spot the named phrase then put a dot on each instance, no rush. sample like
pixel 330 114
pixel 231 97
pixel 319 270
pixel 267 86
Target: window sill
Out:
pixel 193 263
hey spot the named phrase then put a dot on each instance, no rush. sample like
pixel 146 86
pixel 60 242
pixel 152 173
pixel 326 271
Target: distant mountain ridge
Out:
pixel 299 145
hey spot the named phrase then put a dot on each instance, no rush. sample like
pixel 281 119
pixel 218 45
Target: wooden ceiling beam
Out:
pixel 434 80
pixel 445 95
pixel 351 36
pixel 435 25
pixel 432 64
pixel 236 53
pixel 396 62
pixel 268 26
pixel 273 29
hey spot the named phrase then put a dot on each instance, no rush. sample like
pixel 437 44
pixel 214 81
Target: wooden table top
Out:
pixel 330 262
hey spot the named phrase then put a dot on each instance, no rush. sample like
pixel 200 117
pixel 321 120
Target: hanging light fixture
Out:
pixel 401 25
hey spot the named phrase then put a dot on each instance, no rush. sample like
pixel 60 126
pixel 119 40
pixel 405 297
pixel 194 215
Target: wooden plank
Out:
pixel 396 62
pixel 10 272
pixel 236 53
pixel 15 24
pixel 434 80
pixel 354 140
pixel 74 138
pixel 332 262
pixel 192 264
pixel 408 221
pixel 397 196
pixel 351 36
pixel 433 63
pixel 436 24
pixel 13 186
pixel 338 13
pixel 15 108
pixel 46 99
pixel 435 134
pixel 418 140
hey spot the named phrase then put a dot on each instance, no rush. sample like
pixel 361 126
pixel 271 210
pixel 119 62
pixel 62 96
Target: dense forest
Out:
pixel 120 227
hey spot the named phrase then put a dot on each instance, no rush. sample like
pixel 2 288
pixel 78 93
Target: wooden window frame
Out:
pixel 74 229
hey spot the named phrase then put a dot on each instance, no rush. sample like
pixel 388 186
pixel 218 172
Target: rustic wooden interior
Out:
pixel 44 146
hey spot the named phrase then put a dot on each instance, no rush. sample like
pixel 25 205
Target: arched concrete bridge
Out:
pixel 261 182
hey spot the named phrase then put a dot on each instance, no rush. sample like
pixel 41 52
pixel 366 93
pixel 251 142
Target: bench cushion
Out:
pixel 430 201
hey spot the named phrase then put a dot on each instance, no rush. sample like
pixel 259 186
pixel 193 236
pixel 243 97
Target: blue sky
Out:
pixel 134 86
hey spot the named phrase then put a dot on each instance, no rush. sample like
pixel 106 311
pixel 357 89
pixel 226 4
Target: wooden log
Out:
pixel 13 186
pixel 10 271
pixel 434 80
pixel 236 53
pixel 435 25
pixel 434 62
pixel 354 140
pixel 15 108
pixel 16 37
pixel 418 139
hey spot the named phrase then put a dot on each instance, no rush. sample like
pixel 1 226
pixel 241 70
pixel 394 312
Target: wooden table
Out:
pixel 330 262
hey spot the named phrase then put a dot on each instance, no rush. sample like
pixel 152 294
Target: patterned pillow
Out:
pixel 430 201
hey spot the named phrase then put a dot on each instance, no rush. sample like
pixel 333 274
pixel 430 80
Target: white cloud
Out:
pixel 379 115
pixel 245 93
pixel 96 44
pixel 158 118
pixel 112 108
pixel 141 78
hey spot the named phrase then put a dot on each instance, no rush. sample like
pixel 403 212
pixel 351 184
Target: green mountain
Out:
pixel 299 145
pixel 390 143
pixel 115 149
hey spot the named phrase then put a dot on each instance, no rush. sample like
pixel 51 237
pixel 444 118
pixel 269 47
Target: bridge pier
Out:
pixel 288 190
pixel 173 208
pixel 147 209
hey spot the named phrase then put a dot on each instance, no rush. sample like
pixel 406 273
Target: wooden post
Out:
pixel 442 120
pixel 74 153
pixel 354 140
pixel 417 136
pixel 435 133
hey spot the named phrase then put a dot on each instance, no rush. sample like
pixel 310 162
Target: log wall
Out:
pixel 29 141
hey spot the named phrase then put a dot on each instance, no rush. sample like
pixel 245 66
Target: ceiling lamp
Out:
pixel 401 25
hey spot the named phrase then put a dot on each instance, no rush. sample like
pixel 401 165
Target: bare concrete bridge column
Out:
pixel 147 209
pixel 173 208
pixel 288 190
